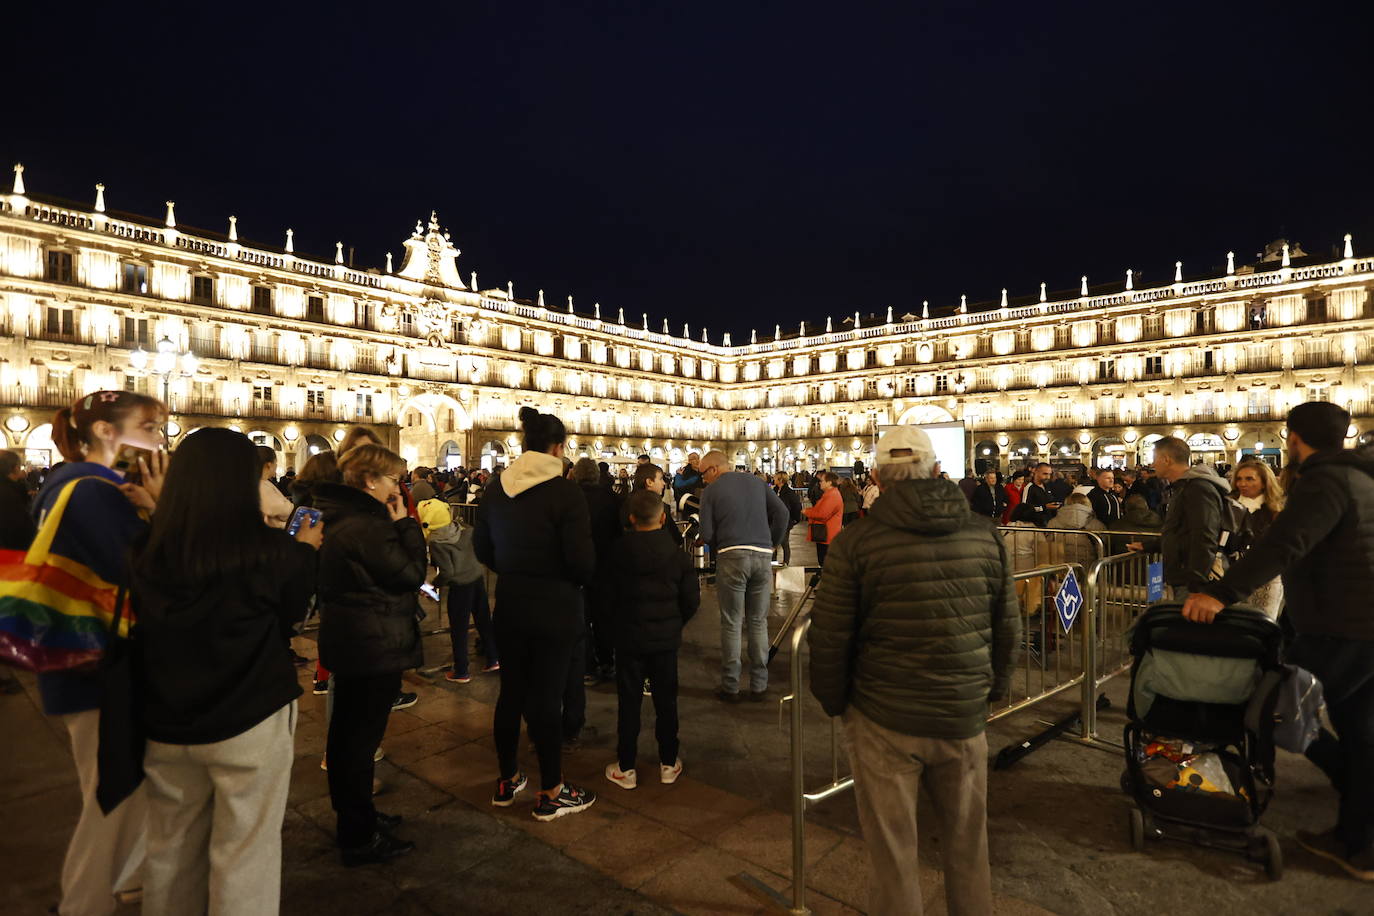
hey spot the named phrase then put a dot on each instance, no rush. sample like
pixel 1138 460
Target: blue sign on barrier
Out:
pixel 1068 601
pixel 1154 591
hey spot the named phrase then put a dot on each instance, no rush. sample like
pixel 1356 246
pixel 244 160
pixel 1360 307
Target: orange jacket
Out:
pixel 830 511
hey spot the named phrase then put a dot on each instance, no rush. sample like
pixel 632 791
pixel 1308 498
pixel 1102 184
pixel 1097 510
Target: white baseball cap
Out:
pixel 904 444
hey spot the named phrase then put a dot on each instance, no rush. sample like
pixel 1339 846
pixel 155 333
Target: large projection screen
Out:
pixel 950 441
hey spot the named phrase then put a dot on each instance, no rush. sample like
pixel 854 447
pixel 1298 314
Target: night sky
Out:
pixel 726 164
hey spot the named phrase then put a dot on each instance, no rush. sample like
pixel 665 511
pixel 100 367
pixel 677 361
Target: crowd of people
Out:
pixel 915 626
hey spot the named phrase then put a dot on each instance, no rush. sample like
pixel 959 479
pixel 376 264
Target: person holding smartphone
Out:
pixel 101 437
pixel 372 565
pixel 213 587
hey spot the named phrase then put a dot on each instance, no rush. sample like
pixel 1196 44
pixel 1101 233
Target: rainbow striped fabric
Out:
pixel 55 613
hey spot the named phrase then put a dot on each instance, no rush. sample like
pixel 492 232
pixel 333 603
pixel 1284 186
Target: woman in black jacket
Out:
pixel 371 566
pixel 213 588
pixel 533 531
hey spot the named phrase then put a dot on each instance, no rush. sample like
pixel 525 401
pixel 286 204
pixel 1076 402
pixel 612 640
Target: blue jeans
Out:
pixel 744 579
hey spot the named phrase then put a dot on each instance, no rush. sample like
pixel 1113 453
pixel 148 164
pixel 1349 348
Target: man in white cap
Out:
pixel 912 635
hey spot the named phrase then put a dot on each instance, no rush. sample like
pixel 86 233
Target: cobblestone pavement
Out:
pixel 1057 819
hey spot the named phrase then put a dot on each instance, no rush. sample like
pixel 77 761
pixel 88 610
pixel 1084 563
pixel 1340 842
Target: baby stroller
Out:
pixel 1194 769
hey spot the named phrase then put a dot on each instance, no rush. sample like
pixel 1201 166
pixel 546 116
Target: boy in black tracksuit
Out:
pixel 655 594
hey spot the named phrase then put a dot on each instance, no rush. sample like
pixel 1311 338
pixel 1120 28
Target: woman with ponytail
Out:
pixel 534 532
pixel 113 447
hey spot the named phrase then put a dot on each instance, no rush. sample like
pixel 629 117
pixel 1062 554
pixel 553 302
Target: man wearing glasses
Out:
pixel 741 519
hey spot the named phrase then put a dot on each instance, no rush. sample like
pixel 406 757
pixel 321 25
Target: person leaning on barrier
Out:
pixel 913 631
pixel 1191 541
pixel 1136 516
pixel 1323 545
pixel 1076 515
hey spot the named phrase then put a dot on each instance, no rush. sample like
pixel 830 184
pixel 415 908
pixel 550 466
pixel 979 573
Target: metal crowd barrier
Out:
pixel 1049 663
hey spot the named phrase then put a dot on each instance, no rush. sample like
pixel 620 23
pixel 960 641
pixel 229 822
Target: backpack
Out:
pixel 1286 708
pixel 1235 535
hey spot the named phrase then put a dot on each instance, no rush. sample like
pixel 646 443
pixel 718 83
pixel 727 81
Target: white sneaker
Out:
pixel 625 780
pixel 669 774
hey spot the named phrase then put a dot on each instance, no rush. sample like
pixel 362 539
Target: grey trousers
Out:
pixel 106 852
pixel 889 769
pixel 214 821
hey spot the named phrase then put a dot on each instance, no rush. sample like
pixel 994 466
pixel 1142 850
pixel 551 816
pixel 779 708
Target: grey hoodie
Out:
pixel 1191 538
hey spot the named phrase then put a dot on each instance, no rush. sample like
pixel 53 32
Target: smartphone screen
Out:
pixel 303 515
pixel 126 462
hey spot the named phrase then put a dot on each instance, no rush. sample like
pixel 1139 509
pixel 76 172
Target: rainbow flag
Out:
pixel 55 613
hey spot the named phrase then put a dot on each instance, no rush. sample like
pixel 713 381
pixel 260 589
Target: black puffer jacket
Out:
pixel 916 618
pixel 1323 545
pixel 1192 528
pixel 370 571
pixel 533 532
pixel 656 593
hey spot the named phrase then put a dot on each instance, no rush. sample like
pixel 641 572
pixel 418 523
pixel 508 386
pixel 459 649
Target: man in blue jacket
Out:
pixel 741 519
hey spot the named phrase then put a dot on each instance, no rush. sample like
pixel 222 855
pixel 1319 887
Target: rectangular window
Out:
pixel 844 424
pixel 870 358
pixel 135 332
pixel 1154 365
pixel 314 308
pixel 136 279
pixel 941 384
pixel 314 400
pixel 262 300
pixel 203 289
pixel 59 267
pixel 262 394
pixel 909 385
pixel 1106 370
pixel 815 426
pixel 871 387
pixel 60 322
pixel 364 409
pixel 1207 360
pixel 1316 308
pixel 367 316
pixel 408 323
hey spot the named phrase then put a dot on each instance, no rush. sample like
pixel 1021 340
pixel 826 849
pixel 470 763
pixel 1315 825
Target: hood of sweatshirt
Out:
pixel 1205 472
pixel 448 534
pixel 928 506
pixel 529 470
pixel 1340 458
pixel 1072 516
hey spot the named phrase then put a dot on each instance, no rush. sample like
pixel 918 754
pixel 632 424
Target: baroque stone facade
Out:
pixel 293 350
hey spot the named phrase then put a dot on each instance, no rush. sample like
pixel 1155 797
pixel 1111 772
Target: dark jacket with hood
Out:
pixel 1323 545
pixel 211 662
pixel 370 571
pixel 916 618
pixel 1136 519
pixel 533 531
pixel 1191 536
pixel 989 501
pixel 656 593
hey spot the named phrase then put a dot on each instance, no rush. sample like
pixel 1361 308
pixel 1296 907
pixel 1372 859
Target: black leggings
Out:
pixel 534 670
pixel 660 669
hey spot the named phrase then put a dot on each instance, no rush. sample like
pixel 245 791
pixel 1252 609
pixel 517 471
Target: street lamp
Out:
pixel 164 363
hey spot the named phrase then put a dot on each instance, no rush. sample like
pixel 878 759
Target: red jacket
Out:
pixel 830 511
pixel 1013 500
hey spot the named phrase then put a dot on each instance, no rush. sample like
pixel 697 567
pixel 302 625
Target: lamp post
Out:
pixel 166 362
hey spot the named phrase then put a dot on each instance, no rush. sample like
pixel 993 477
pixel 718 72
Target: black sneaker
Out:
pixel 569 800
pixel 320 688
pixel 388 822
pixel 725 696
pixel 404 700
pixel 758 696
pixel 382 848
pixel 507 789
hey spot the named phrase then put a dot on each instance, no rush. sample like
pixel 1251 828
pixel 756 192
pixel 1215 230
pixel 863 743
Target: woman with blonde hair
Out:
pixel 1259 491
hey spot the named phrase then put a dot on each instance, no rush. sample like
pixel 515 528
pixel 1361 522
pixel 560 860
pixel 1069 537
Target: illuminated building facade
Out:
pixel 293 350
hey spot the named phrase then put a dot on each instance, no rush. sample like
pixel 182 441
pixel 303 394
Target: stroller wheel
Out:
pixel 1273 857
pixel 1137 828
pixel 1126 785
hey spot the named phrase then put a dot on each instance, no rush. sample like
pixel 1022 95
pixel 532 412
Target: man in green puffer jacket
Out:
pixel 913 632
